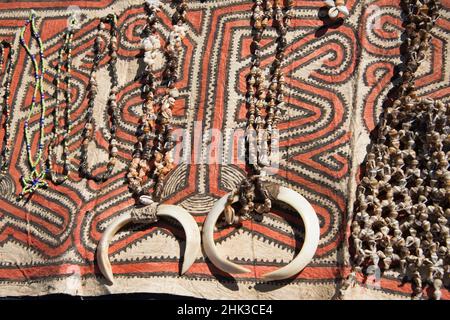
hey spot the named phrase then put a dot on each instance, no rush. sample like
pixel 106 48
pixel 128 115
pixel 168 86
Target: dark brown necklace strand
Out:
pixel 57 135
pixel 88 133
pixel 6 108
pixel 401 213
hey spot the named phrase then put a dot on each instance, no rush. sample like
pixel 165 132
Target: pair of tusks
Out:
pixel 288 196
pixel 188 223
pixel 312 234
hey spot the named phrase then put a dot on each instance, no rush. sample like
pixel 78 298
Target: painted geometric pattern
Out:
pixel 337 78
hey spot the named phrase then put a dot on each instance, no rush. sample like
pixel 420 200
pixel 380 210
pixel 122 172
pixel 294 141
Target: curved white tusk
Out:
pixel 330 3
pixel 103 247
pixel 181 215
pixel 208 239
pixel 344 10
pixel 312 235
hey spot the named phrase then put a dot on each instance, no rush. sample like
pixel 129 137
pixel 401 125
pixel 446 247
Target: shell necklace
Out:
pixel 36 178
pixel 255 194
pixel 401 216
pixel 152 159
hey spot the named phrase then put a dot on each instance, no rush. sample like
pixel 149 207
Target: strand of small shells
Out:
pixel 61 135
pixel 6 107
pixel 265 102
pixel 336 7
pixel 402 211
pixel 152 151
pixel 89 129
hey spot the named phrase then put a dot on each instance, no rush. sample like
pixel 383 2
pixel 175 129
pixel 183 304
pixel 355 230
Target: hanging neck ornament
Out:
pixel 402 211
pixel 61 136
pixel 255 193
pixel 36 178
pixel 89 129
pixel 152 159
pixel 6 108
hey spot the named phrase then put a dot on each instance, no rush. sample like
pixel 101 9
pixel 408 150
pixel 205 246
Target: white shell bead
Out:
pixel 150 61
pixel 333 12
pixel 147 44
pixel 145 200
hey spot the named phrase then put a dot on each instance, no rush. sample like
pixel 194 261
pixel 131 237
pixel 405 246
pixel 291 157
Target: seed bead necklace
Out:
pixel 149 154
pixel 66 49
pixel 6 110
pixel 36 178
pixel 89 129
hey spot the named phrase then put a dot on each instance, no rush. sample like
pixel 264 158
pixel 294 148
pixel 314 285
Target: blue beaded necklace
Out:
pixel 36 178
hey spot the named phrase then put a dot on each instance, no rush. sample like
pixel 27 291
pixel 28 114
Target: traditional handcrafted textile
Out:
pixel 337 78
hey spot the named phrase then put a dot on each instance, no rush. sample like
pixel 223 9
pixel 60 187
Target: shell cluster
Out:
pixel 147 213
pixel 336 7
pixel 402 210
pixel 265 100
pixel 151 45
pixel 152 155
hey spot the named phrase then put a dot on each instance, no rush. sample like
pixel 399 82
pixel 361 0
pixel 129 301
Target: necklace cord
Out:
pixel 36 178
pixel 89 132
